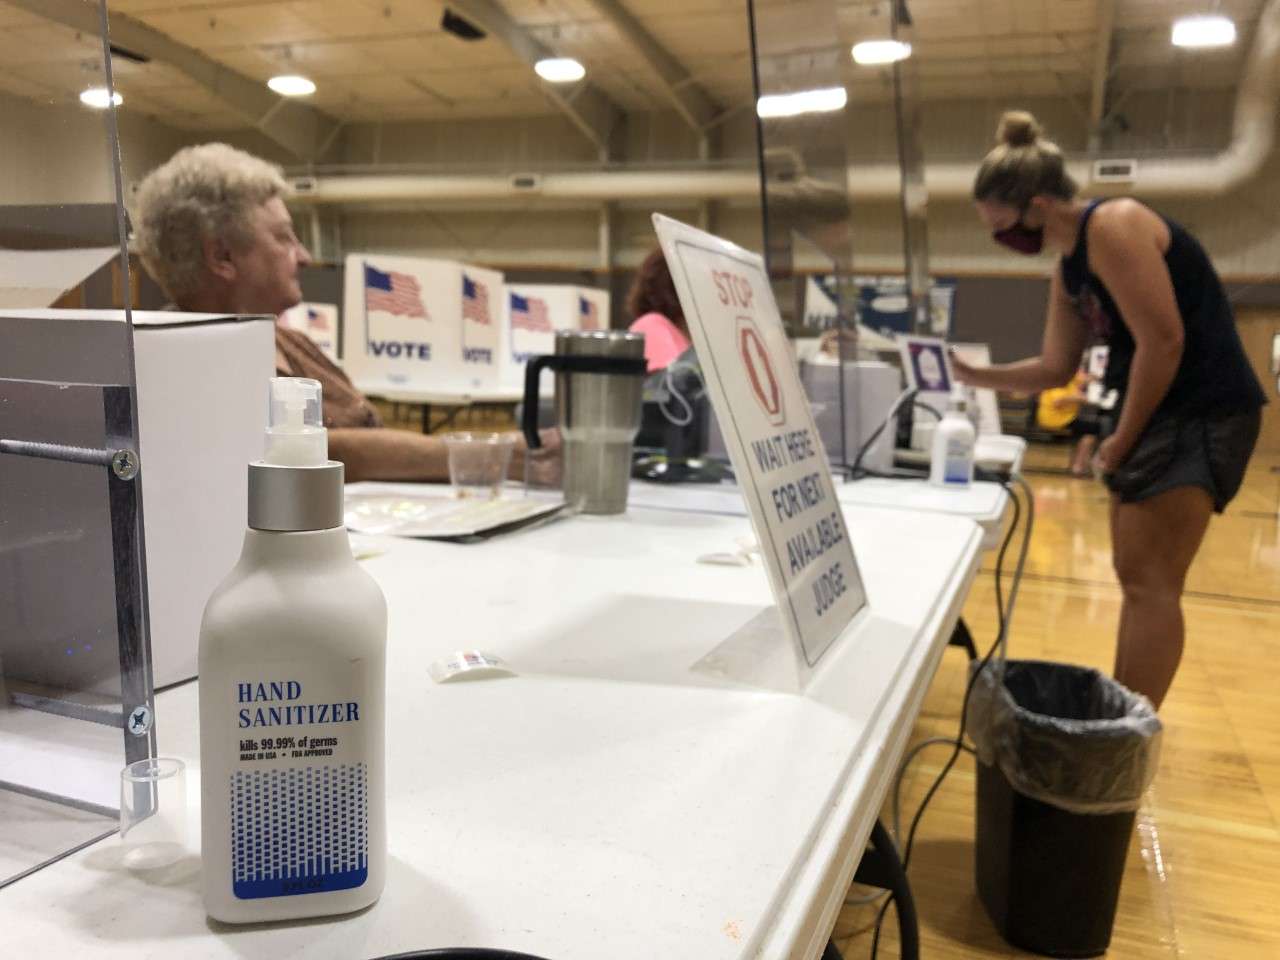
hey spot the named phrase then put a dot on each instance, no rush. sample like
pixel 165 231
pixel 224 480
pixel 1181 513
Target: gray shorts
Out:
pixel 1210 452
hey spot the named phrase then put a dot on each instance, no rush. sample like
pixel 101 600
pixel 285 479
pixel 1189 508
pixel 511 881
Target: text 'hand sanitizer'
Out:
pixel 951 463
pixel 292 688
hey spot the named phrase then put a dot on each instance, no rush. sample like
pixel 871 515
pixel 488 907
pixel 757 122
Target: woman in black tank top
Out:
pixel 1190 407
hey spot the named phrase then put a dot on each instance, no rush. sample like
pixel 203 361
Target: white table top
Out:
pixel 995 451
pixel 608 797
pixel 984 502
pixel 461 397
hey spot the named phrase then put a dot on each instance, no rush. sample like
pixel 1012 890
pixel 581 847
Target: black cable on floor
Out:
pixel 1004 616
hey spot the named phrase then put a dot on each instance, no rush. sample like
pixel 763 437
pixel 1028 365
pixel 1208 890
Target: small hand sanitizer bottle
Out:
pixel 951 464
pixel 292 689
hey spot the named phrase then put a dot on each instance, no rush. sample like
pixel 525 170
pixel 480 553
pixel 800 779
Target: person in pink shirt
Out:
pixel 656 308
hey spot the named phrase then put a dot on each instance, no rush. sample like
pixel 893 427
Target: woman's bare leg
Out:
pixel 1153 543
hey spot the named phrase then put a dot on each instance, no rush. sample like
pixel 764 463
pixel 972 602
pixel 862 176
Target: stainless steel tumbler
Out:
pixel 599 380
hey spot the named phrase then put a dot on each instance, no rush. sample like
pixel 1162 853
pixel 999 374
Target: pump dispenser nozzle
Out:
pixel 296 436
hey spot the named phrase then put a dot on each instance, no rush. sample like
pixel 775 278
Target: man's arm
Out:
pixel 381 453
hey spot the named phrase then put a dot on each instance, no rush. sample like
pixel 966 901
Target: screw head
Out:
pixel 125 464
pixel 138 720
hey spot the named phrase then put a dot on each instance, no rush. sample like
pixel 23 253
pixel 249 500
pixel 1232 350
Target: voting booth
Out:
pixel 534 313
pixel 319 321
pixel 411 323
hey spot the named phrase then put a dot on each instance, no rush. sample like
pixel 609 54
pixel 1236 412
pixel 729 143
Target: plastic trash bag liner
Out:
pixel 1066 735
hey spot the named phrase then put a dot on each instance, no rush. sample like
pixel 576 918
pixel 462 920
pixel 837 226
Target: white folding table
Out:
pixel 983 502
pixel 610 798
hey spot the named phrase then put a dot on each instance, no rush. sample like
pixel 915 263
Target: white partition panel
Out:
pixel 532 315
pixel 413 324
pixel 319 321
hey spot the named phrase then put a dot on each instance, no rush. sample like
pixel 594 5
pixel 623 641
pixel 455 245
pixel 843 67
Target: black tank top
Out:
pixel 1214 375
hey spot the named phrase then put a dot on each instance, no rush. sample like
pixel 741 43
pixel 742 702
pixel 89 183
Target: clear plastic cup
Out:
pixel 153 812
pixel 478 463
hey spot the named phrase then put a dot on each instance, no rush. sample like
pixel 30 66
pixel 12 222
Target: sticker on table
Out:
pixel 469 665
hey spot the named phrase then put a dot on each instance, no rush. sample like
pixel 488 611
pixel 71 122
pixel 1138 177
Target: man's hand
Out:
pixel 545 463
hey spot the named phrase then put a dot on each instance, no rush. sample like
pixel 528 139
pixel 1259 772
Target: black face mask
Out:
pixel 1021 238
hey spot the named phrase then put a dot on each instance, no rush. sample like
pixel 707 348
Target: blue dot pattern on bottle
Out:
pixel 299 831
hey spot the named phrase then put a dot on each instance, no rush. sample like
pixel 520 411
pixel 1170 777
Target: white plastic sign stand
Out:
pixel 770 435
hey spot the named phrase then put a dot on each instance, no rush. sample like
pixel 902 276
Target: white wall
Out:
pixel 54 154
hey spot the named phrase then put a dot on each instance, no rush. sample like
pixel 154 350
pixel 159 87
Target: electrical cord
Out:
pixel 674 393
pixel 896 830
pixel 1005 617
pixel 1000 628
pixel 908 394
pixel 856 470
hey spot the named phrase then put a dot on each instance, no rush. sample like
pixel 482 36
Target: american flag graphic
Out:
pixel 475 301
pixel 316 320
pixel 393 292
pixel 588 314
pixel 529 313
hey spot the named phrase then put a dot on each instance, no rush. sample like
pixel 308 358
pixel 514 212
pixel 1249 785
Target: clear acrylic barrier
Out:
pixel 804 125
pixel 75 685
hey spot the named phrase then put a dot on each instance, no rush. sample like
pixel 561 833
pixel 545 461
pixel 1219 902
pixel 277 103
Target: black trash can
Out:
pixel 1064 756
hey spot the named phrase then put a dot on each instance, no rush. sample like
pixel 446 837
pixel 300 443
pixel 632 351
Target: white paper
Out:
pixel 979 355
pixel 435 516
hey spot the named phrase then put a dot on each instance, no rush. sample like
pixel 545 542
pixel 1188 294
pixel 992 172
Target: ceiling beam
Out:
pixel 1101 73
pixel 301 129
pixel 687 96
pixel 590 109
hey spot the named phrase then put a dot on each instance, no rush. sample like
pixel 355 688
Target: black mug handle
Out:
pixel 529 417
pixel 568 363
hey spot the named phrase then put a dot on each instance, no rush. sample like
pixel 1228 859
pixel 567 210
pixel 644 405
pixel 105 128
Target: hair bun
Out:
pixel 1018 129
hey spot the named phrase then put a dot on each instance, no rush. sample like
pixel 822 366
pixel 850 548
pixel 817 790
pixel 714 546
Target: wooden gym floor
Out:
pixel 1202 879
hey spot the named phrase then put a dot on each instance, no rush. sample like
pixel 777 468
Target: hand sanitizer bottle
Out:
pixel 951 464
pixel 292 687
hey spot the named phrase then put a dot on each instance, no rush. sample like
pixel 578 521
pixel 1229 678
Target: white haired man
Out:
pixel 213 230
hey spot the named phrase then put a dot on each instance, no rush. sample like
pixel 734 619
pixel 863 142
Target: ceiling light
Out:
pixel 870 52
pixel 560 69
pixel 292 86
pixel 823 100
pixel 1205 31
pixel 98 98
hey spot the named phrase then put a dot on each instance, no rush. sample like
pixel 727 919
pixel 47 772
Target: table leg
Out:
pixel 961 637
pixel 882 867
